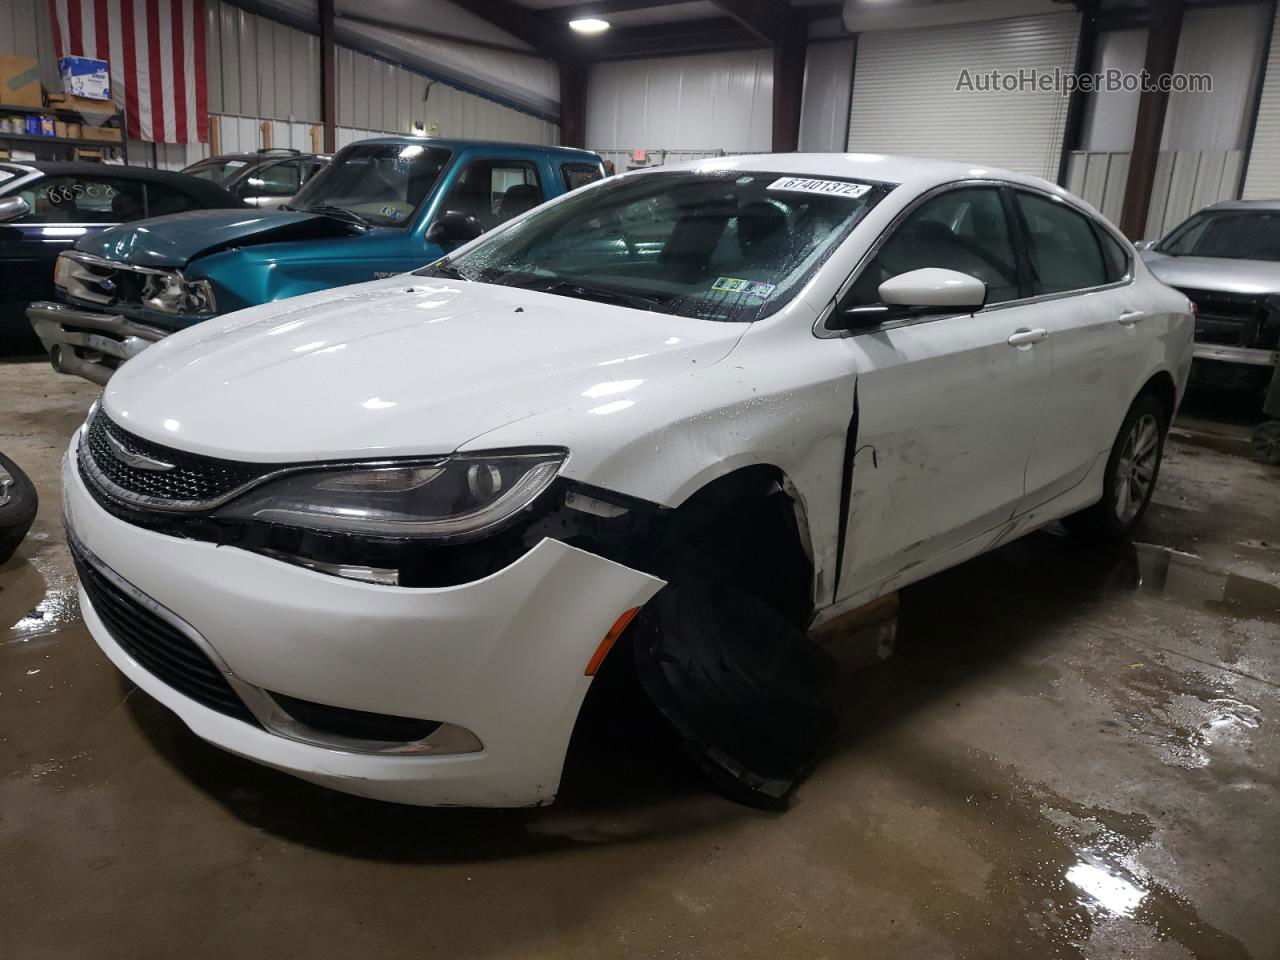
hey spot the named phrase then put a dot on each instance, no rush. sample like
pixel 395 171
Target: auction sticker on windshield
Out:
pixel 833 188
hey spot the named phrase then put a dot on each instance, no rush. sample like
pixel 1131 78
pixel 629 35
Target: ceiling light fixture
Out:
pixel 589 25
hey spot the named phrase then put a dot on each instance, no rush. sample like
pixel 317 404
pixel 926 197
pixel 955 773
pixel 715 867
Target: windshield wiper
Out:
pixel 338 213
pixel 449 272
pixel 569 288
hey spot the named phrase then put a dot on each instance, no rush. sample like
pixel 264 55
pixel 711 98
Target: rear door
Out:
pixel 1082 281
pixel 946 407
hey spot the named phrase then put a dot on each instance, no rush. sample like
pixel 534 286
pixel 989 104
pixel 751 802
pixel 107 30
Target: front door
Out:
pixel 947 407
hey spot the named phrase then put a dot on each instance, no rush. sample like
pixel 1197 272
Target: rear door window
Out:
pixel 579 174
pixel 1063 250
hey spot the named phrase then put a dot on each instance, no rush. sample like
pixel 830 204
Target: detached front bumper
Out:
pixel 1249 356
pixel 86 343
pixel 502 658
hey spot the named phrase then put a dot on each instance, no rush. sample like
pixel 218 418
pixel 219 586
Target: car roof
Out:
pixel 451 143
pixel 919 172
pixel 207 193
pixel 1245 205
pixel 262 156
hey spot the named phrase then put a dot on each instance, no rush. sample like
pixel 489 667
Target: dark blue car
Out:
pixel 46 207
pixel 381 207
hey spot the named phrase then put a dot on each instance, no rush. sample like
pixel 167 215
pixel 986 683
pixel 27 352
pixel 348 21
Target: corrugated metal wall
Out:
pixel 824 111
pixel 1185 181
pixel 26 28
pixel 1263 179
pixel 906 101
pixel 261 69
pixel 696 104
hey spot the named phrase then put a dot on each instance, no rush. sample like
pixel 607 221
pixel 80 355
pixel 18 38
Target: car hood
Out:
pixel 1213 273
pixel 404 366
pixel 175 240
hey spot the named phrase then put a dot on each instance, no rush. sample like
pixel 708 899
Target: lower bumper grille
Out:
pixel 156 644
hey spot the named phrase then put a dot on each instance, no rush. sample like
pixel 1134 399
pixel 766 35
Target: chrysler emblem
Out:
pixel 136 460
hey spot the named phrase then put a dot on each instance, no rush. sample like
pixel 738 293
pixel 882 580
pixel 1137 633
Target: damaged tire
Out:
pixel 1132 471
pixel 723 651
pixel 18 503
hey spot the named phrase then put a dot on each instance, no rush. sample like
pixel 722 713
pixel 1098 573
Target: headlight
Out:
pixel 459 498
pixel 172 293
pixel 62 270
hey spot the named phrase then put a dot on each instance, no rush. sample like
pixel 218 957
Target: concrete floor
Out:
pixel 1074 753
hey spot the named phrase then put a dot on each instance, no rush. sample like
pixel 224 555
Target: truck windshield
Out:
pixel 1226 234
pixel 381 183
pixel 728 245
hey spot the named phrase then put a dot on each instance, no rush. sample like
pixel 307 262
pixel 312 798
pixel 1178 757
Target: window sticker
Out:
pixel 751 288
pixel 832 188
pixel 392 212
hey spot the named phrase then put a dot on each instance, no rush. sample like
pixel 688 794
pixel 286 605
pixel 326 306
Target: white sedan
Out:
pixel 384 537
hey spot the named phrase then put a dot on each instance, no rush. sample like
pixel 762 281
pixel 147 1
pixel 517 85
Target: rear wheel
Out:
pixel 1132 470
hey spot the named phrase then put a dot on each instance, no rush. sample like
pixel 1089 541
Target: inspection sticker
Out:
pixel 833 188
pixel 752 288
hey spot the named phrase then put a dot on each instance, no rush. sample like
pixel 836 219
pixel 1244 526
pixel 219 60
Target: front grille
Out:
pixel 1229 319
pixel 194 481
pixel 156 644
pixel 104 283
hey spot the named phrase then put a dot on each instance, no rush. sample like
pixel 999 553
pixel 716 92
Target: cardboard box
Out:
pixel 20 81
pixel 74 130
pixel 102 134
pixel 63 101
pixel 85 77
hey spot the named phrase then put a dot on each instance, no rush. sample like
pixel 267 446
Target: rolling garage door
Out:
pixel 1263 179
pixel 905 99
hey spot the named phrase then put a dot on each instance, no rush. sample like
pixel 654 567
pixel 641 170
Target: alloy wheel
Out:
pixel 1136 468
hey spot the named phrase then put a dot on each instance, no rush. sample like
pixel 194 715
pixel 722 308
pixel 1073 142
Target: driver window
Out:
pixel 494 191
pixel 964 229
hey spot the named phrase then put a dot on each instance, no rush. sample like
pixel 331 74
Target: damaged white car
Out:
pixel 383 537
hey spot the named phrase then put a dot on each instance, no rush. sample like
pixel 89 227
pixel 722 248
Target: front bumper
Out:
pixel 86 343
pixel 503 657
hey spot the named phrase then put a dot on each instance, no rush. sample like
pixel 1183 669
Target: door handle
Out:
pixel 1022 337
pixel 1130 317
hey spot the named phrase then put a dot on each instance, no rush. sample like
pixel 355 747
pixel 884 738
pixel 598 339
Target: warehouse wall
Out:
pixel 824 109
pixel 263 69
pixel 1202 151
pixel 1263 178
pixel 697 104
pixel 26 28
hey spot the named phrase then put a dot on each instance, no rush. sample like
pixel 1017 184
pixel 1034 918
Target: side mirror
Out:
pixel 453 229
pixel 934 290
pixel 1145 244
pixel 13 208
pixel 916 293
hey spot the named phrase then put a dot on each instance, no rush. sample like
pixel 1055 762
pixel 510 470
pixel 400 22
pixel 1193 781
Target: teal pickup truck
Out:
pixel 381 207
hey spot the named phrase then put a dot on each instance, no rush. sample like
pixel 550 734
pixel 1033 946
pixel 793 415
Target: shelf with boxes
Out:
pixel 56 126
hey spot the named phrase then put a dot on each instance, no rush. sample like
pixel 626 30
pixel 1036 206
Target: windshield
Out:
pixel 729 246
pixel 381 183
pixel 216 171
pixel 1227 234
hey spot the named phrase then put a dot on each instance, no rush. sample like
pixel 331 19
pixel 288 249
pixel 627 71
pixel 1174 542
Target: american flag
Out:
pixel 157 54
